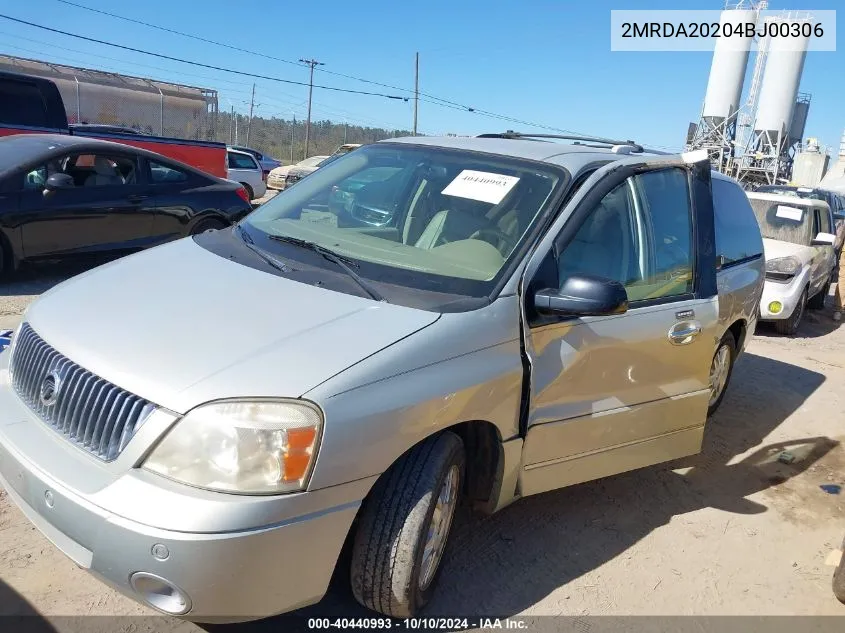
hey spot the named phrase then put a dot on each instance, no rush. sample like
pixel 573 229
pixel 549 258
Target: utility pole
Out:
pixel 249 122
pixel 311 63
pixel 345 129
pixel 232 127
pixel 416 90
pixel 292 128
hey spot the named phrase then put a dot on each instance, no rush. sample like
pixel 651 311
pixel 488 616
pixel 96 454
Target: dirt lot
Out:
pixel 731 531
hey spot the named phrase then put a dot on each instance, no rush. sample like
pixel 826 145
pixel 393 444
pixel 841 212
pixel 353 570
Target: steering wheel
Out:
pixel 501 240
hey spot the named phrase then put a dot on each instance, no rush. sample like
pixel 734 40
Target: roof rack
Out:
pixel 635 147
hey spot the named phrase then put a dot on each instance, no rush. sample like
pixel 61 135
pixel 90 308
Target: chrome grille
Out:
pixel 88 410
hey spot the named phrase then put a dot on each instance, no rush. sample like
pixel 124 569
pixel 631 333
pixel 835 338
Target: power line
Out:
pixel 429 98
pixel 202 65
pixel 116 65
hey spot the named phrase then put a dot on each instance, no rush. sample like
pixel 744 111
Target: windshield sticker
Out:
pixel 480 185
pixel 789 213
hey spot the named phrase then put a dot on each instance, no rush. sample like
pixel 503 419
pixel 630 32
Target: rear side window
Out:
pixel 737 232
pixel 164 173
pixel 21 103
pixel 241 161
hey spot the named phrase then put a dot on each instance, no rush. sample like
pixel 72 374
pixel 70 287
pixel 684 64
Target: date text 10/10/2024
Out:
pixel 444 624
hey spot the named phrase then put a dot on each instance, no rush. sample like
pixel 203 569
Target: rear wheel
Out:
pixel 720 371
pixel 209 224
pixel 404 527
pixel 817 302
pixel 790 326
pixel 249 192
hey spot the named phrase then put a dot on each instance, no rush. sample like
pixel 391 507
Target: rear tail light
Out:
pixel 243 194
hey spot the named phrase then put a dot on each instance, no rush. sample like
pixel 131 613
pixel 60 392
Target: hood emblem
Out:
pixel 50 388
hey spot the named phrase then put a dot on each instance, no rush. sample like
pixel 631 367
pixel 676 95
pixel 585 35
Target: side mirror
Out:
pixel 824 239
pixel 583 295
pixel 58 181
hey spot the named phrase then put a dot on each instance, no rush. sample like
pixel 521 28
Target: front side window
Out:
pixel 737 234
pixel 86 170
pixel 428 218
pixel 640 235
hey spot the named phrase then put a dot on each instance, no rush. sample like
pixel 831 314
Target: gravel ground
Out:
pixel 731 531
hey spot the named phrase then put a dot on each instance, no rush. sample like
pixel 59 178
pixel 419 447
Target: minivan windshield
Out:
pixel 786 223
pixel 423 217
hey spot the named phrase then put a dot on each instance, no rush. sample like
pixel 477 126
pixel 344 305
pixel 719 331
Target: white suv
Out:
pixel 798 241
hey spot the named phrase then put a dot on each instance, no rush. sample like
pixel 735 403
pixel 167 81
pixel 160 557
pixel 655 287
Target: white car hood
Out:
pixel 775 248
pixel 180 326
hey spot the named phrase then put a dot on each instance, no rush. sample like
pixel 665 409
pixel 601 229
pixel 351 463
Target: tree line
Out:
pixel 284 138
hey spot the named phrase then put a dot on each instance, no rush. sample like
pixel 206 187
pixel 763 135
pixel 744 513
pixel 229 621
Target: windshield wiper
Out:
pixel 250 244
pixel 339 260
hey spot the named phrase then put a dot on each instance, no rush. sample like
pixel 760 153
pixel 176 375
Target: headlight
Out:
pixel 783 266
pixel 246 447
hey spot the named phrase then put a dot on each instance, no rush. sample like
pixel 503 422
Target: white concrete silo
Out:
pixel 716 129
pixel 779 89
pixel 727 70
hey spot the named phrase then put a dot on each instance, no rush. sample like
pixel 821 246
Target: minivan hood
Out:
pixel 180 326
pixel 775 248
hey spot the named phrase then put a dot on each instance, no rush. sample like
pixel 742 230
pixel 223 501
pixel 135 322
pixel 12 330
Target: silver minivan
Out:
pixel 424 322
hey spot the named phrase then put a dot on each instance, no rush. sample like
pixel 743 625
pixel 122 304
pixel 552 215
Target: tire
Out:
pixel 789 327
pixel 817 301
pixel 209 224
pixel 249 192
pixel 388 551
pixel 726 346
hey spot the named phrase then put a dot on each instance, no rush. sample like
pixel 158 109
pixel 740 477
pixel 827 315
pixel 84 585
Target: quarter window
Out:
pixel 737 232
pixel 160 173
pixel 640 234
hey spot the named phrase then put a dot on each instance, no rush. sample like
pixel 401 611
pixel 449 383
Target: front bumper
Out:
pixel 276 182
pixel 787 294
pixel 229 557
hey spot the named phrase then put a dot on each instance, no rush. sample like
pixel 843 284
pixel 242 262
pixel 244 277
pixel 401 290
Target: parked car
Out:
pixel 34 105
pixel 244 169
pixel 276 178
pixel 835 201
pixel 532 315
pixel 303 168
pixel 800 258
pixel 64 196
pixel 268 163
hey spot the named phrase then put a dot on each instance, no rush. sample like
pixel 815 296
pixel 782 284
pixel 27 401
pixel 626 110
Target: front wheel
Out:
pixel 404 527
pixel 817 301
pixel 790 325
pixel 721 368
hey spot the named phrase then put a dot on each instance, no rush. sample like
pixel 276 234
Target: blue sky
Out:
pixel 541 61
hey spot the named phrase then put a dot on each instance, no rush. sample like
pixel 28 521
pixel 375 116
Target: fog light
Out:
pixel 775 307
pixel 160 593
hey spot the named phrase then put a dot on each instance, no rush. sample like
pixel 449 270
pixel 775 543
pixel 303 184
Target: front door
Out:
pixel 108 209
pixel 612 393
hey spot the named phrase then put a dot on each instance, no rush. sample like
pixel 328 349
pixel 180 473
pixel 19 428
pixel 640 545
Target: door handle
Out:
pixel 137 198
pixel 684 333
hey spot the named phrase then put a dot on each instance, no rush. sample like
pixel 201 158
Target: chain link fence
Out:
pixel 284 139
pixel 172 110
